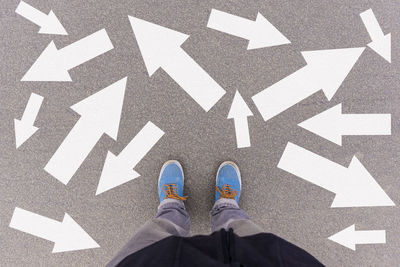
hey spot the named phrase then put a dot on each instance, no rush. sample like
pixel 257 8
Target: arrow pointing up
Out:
pixel 54 64
pixel 100 113
pixel 349 237
pixel 239 112
pixel 66 235
pixel 332 124
pixel 260 33
pixel 325 69
pixel 49 24
pixel 161 48
pixel 353 186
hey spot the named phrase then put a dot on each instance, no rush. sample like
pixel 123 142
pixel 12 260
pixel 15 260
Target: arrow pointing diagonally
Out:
pixel 239 112
pixel 100 113
pixel 118 170
pixel 24 128
pixel 381 43
pixel 325 69
pixel 332 124
pixel 54 64
pixel 260 33
pixel 349 237
pixel 353 186
pixel 66 235
pixel 49 24
pixel 161 48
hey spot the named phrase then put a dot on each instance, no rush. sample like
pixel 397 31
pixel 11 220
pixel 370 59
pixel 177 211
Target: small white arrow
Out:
pixel 325 69
pixel 118 170
pixel 100 113
pixel 353 186
pixel 239 112
pixel 161 48
pixel 332 124
pixel 24 128
pixel 260 33
pixel 54 64
pixel 381 43
pixel 349 237
pixel 66 235
pixel 49 24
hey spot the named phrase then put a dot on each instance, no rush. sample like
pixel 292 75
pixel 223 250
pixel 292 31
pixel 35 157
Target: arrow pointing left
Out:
pixel 239 112
pixel 100 113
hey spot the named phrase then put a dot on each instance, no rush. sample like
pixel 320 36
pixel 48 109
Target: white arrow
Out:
pixel 54 64
pixel 332 124
pixel 239 112
pixel 381 43
pixel 260 33
pixel 66 235
pixel 161 48
pixel 24 128
pixel 118 170
pixel 325 69
pixel 349 237
pixel 353 186
pixel 100 113
pixel 49 24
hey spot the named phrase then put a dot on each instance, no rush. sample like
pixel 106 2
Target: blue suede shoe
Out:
pixel 228 182
pixel 170 182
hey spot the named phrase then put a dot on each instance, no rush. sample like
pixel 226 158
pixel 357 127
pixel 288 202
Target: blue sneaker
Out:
pixel 170 182
pixel 228 182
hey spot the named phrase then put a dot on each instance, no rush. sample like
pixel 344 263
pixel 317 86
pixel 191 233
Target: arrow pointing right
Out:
pixel 239 112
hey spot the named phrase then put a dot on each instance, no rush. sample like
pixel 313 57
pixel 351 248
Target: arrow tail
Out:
pixel 231 24
pixel 366 124
pixel 370 237
pixel 242 132
pixel 371 24
pixel 31 13
pixel 32 108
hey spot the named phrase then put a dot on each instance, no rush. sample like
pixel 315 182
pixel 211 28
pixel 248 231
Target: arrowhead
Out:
pixel 382 46
pixel 155 42
pixel 47 67
pixel 52 25
pixel 329 68
pixel 326 124
pixel 23 131
pixel 115 172
pixel 264 34
pixel 359 189
pixel 103 108
pixel 345 237
pixel 72 237
pixel 239 107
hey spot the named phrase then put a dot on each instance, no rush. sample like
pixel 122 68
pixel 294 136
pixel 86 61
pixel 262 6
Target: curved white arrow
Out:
pixel 381 43
pixel 353 186
pixel 49 24
pixel 54 64
pixel 325 69
pixel 100 113
pixel 66 235
pixel 349 237
pixel 332 124
pixel 260 33
pixel 161 48
pixel 118 170
pixel 239 112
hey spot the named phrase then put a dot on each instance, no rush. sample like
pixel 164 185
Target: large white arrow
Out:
pixel 118 170
pixel 332 124
pixel 260 33
pixel 239 112
pixel 100 113
pixel 54 64
pixel 24 127
pixel 353 186
pixel 49 24
pixel 161 48
pixel 349 237
pixel 381 43
pixel 66 235
pixel 325 69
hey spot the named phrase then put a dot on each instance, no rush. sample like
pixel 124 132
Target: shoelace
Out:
pixel 171 191
pixel 226 191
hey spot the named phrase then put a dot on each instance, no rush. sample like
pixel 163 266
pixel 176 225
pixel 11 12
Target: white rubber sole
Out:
pixel 169 162
pixel 236 168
